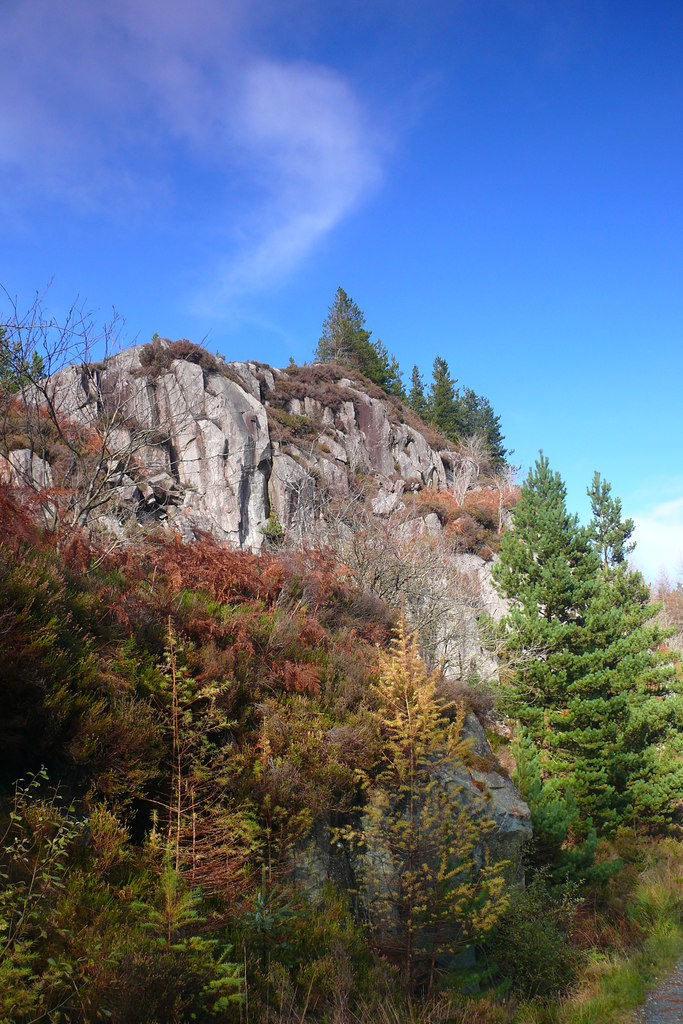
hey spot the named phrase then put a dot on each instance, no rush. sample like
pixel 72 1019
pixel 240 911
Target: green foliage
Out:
pixel 61 701
pixel 459 415
pixel 72 945
pixel 554 848
pixel 273 531
pixel 441 406
pixel 588 682
pixel 344 339
pixel 204 708
pixel 18 367
pixel 189 971
pixel 609 533
pixel 531 944
pixel 475 416
pixel 416 396
pixel 33 861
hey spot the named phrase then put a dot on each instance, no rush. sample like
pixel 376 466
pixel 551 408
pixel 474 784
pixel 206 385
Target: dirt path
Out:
pixel 665 1003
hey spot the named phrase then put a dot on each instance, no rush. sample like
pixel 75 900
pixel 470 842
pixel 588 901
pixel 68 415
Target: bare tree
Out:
pixel 505 483
pixel 474 457
pixel 439 594
pixel 70 429
pixel 670 617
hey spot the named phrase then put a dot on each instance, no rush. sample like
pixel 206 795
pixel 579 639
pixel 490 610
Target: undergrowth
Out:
pixel 182 719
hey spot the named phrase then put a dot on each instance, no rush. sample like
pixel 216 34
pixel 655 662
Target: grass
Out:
pixel 613 986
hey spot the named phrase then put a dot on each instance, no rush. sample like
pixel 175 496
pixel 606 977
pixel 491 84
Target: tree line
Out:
pixel 457 413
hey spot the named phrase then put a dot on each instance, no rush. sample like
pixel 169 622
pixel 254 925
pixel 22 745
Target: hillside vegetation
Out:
pixel 258 787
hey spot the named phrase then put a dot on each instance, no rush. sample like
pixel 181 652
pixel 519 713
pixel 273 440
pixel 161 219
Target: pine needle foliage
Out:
pixel 588 679
pixel 345 340
pixel 422 847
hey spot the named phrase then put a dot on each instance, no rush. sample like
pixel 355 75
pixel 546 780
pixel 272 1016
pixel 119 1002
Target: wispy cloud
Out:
pixel 103 107
pixel 659 537
pixel 313 155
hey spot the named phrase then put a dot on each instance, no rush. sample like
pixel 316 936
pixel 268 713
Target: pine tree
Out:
pixel 424 886
pixel 17 366
pixel 474 415
pixel 416 396
pixel 345 340
pixel 554 816
pixel 441 407
pixel 611 535
pixel 344 333
pixel 588 682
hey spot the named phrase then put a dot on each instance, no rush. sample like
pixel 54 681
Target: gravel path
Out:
pixel 665 1003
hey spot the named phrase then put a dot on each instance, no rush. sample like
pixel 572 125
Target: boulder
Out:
pixel 480 785
pixel 23 468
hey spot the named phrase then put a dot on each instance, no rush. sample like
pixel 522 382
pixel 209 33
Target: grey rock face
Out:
pixel 216 451
pixel 202 451
pixel 204 454
pixel 199 442
pixel 499 799
pixel 480 787
pixel 22 468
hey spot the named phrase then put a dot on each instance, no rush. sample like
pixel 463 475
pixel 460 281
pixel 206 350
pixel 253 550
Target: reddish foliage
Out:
pixel 486 501
pixel 226 575
pixel 298 678
pixel 77 549
pixel 441 502
pixel 17 525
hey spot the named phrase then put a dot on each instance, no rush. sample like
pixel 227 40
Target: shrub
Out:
pixel 156 358
pixel 289 428
pixel 273 532
pixel 530 945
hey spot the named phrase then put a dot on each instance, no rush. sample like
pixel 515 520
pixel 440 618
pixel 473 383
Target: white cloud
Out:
pixel 314 157
pixel 103 107
pixel 659 539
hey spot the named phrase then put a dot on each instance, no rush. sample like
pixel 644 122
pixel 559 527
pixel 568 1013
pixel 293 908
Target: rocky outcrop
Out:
pixel 23 468
pixel 480 785
pixel 218 450
pixel 201 446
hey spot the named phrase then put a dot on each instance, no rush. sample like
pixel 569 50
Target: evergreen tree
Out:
pixel 611 535
pixel 460 415
pixel 17 367
pixel 441 408
pixel 416 396
pixel 383 369
pixel 344 335
pixel 554 816
pixel 588 682
pixel 345 340
pixel 474 415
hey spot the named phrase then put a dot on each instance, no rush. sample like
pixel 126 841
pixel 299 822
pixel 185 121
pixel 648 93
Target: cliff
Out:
pixel 237 441
pixel 173 437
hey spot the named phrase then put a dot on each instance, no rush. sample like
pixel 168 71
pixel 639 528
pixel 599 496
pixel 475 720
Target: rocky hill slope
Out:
pixel 167 434
pixel 219 446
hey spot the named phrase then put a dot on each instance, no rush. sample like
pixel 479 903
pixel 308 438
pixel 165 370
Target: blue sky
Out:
pixel 495 182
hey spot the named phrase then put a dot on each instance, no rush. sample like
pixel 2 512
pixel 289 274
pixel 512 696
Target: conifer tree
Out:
pixel 416 396
pixel 441 408
pixel 345 340
pixel 554 815
pixel 588 681
pixel 425 888
pixel 611 535
pixel 344 335
pixel 474 415
pixel 18 366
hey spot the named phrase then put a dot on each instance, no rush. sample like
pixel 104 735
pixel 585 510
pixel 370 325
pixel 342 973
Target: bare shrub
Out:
pixel 80 421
